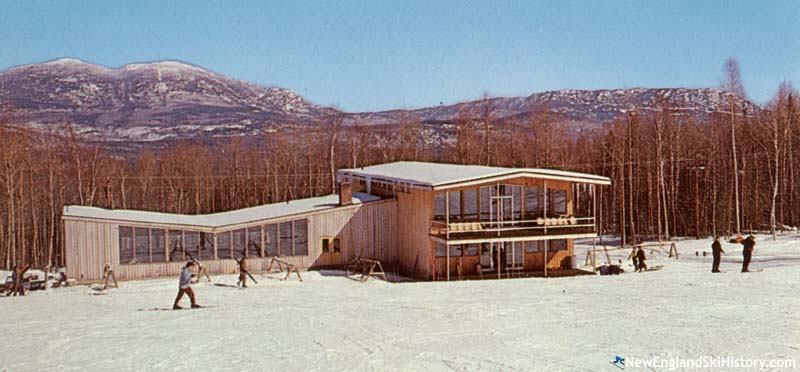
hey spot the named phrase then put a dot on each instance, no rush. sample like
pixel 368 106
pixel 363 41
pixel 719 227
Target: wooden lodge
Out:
pixel 430 221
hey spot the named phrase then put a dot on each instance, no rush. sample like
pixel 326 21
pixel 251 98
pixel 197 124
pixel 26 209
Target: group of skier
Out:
pixel 749 244
pixel 185 280
pixel 639 257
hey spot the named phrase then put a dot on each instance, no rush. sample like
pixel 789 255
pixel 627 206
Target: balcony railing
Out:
pixel 562 225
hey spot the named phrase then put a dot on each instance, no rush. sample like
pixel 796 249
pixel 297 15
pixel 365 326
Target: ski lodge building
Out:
pixel 431 221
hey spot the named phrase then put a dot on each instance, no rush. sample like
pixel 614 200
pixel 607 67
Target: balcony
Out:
pixel 555 227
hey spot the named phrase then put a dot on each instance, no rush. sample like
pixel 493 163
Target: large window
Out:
pixel 175 245
pixel 191 243
pixel 158 250
pixel 455 205
pixel 144 245
pixel 439 206
pixel 533 205
pixel 239 243
pixel 286 247
pixel 300 238
pixel 470 204
pixel 486 194
pixel 558 202
pixel 271 240
pixel 254 241
pixel 125 245
pixel 141 243
pixel 224 249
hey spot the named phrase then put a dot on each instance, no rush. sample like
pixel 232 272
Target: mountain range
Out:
pixel 175 100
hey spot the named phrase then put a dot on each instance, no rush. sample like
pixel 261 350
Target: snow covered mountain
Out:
pixel 146 101
pixel 578 108
pixel 175 100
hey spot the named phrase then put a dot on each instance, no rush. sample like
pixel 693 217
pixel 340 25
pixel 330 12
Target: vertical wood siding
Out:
pixel 366 230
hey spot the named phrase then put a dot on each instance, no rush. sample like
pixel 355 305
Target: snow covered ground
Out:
pixel 329 322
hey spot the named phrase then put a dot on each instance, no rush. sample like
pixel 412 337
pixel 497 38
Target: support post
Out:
pixel 446 244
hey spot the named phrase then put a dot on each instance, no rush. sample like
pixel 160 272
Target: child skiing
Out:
pixel 185 286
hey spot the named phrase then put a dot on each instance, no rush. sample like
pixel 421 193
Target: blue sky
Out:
pixel 375 55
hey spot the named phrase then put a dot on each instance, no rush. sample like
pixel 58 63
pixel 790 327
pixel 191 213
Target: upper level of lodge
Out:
pixel 471 204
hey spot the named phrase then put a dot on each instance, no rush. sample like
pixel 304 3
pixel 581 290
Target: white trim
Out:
pixel 518 239
pixel 437 176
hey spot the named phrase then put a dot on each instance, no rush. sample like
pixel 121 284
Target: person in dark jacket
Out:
pixel 641 257
pixel 716 251
pixel 747 252
pixel 633 258
pixel 185 286
pixel 242 272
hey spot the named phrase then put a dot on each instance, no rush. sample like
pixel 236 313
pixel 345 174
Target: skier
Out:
pixel 242 271
pixel 185 286
pixel 716 251
pixel 633 257
pixel 640 255
pixel 201 270
pixel 747 252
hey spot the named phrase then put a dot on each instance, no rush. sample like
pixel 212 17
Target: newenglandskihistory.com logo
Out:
pixel 703 362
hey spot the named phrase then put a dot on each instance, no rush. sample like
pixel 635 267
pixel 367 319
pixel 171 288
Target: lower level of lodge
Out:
pixel 312 235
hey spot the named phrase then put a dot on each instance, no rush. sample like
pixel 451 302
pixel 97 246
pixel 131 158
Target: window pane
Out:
pixel 157 250
pixel 532 247
pixel 470 204
pixel 471 250
pixel 337 245
pixel 239 243
pixel 455 205
pixel 125 245
pixel 455 251
pixel 326 245
pixel 516 193
pixel 285 248
pixel 254 241
pixel 440 250
pixel 558 202
pixel 486 194
pixel 224 245
pixel 301 237
pixel 558 245
pixel 191 242
pixel 205 249
pixel 141 245
pixel 271 240
pixel 533 206
pixel 439 206
pixel 175 245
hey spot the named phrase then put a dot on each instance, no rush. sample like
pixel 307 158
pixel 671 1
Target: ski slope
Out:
pixel 330 322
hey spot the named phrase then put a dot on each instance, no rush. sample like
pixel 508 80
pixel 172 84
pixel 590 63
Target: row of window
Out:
pixel 144 245
pixel 485 202
pixel 465 250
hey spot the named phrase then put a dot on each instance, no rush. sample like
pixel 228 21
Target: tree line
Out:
pixel 728 172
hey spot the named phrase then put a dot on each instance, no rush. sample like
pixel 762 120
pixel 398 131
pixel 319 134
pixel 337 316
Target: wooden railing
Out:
pixel 541 226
